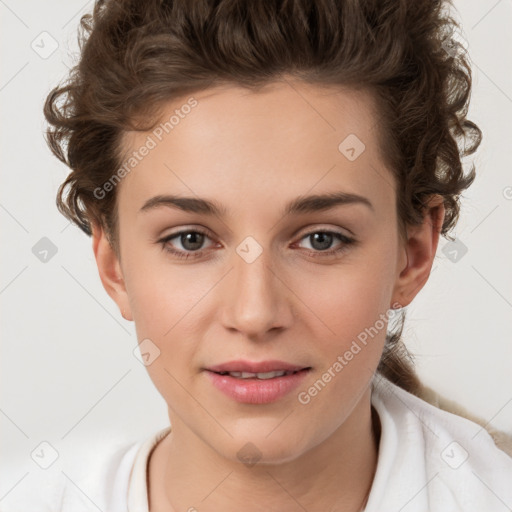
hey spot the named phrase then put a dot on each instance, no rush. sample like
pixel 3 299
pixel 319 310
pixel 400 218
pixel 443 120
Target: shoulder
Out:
pixel 101 481
pixel 460 462
pixel 503 440
pixel 89 479
pixel 115 480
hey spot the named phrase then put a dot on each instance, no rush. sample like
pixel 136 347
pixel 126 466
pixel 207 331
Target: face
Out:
pixel 311 287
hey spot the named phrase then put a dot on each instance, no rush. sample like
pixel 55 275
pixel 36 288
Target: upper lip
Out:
pixel 255 367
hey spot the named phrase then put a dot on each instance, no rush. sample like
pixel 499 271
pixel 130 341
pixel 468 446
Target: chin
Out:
pixel 262 450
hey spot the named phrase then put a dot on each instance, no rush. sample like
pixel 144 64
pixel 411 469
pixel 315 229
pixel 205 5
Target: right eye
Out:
pixel 191 241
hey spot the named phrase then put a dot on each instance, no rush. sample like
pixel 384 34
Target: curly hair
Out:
pixel 135 56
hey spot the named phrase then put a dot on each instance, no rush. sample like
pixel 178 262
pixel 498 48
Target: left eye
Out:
pixel 324 239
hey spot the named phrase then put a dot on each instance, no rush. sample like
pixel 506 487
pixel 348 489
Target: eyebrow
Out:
pixel 302 204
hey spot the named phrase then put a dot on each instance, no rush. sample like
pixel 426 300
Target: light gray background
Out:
pixel 68 372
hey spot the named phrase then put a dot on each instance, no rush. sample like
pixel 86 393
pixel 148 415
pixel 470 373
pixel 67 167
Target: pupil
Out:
pixel 188 238
pixel 325 240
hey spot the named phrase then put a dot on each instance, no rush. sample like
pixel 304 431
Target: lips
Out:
pixel 257 388
pixel 256 367
pixel 256 382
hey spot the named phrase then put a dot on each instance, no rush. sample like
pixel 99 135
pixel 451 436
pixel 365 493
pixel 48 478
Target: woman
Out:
pixel 265 184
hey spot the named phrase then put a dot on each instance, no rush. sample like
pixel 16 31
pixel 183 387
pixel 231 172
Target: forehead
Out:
pixel 282 141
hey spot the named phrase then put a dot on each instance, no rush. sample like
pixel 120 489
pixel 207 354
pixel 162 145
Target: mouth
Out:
pixel 262 375
pixel 257 383
pixel 256 369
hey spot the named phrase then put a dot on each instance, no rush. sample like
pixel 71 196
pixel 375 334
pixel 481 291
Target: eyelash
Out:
pixel 347 242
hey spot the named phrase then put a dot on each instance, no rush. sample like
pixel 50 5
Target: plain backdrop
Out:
pixel 68 372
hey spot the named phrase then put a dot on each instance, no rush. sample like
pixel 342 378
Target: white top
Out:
pixel 429 460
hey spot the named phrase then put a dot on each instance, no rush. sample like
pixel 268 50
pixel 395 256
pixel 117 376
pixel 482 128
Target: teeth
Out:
pixel 266 375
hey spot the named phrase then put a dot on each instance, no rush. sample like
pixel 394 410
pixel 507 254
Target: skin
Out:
pixel 252 152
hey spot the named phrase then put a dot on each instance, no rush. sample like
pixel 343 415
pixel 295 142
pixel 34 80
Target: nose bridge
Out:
pixel 256 300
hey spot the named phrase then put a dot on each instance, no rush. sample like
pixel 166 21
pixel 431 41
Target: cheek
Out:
pixel 347 300
pixel 350 319
pixel 165 305
pixel 349 340
pixel 168 309
pixel 162 294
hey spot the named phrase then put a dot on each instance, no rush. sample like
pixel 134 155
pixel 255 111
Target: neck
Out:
pixel 335 475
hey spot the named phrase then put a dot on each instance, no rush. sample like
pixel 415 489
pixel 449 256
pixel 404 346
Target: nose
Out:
pixel 255 299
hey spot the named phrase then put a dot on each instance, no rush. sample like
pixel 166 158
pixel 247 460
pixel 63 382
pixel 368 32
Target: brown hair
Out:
pixel 136 55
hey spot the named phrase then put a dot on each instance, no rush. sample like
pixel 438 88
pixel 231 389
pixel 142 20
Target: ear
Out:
pixel 420 250
pixel 110 271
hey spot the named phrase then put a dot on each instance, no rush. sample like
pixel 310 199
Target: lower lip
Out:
pixel 257 391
